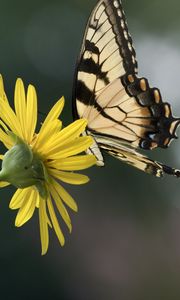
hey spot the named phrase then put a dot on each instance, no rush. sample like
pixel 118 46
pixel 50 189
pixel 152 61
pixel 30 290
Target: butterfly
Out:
pixel 124 113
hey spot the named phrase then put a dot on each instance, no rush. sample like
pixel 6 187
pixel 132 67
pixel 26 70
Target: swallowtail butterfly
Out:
pixel 124 113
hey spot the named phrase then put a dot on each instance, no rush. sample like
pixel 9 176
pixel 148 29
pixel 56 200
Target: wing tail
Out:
pixel 132 157
pixel 144 163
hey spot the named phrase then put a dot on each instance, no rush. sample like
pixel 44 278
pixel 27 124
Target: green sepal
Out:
pixel 22 168
pixel 41 187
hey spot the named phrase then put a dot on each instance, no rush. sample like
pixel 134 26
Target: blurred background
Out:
pixel 125 242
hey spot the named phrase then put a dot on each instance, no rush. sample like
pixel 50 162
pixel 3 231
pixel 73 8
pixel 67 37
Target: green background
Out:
pixel 125 243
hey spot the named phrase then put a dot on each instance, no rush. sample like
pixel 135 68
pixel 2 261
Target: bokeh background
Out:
pixel 125 242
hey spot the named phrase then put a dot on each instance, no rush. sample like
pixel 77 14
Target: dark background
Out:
pixel 125 243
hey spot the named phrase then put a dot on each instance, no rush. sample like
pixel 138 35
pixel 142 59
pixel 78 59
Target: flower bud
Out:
pixel 22 168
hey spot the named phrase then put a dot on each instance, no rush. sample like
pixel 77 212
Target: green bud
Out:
pixel 22 168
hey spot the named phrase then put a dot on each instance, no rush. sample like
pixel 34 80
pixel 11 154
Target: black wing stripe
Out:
pixel 91 47
pixel 122 37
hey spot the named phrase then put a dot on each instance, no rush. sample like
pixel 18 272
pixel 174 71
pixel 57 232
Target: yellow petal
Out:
pixel 62 210
pixel 20 104
pixel 68 177
pixel 9 117
pixel 68 133
pixel 31 114
pixel 37 200
pixel 18 198
pixel 75 147
pixel 74 163
pixel 44 235
pixel 2 92
pixel 4 126
pixel 3 184
pixel 55 222
pixel 54 112
pixel 27 209
pixel 5 139
pixel 65 196
pixel 45 134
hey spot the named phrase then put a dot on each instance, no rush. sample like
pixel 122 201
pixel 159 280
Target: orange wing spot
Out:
pixel 143 85
pixel 167 111
pixel 154 145
pixel 166 142
pixel 157 96
pixel 173 127
pixel 131 78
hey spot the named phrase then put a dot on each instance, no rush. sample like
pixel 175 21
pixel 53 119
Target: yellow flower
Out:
pixel 35 163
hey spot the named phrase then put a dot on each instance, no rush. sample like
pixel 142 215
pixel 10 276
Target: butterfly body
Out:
pixel 124 113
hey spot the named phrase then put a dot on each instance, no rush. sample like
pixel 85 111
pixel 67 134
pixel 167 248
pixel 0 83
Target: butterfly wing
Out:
pixel 117 104
pixel 129 110
pixel 130 156
pixel 107 53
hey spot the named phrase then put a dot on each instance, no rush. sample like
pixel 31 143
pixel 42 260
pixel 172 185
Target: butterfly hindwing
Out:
pixel 129 110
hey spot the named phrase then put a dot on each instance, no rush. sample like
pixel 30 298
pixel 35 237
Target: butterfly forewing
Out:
pixel 107 53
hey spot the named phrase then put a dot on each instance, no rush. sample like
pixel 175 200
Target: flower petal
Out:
pixel 45 134
pixel 75 147
pixel 2 92
pixel 6 139
pixel 62 210
pixel 64 195
pixel 3 184
pixel 68 134
pixel 73 163
pixel 54 112
pixel 55 222
pixel 68 177
pixel 27 209
pixel 31 113
pixel 43 223
pixel 18 198
pixel 9 117
pixel 20 104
